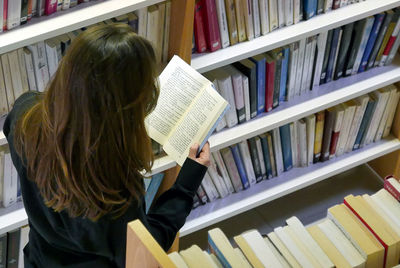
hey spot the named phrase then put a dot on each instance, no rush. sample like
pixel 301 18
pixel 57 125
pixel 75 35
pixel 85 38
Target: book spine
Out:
pixel 306 65
pixel 231 20
pixel 276 137
pixel 222 123
pixel 328 5
pixel 241 27
pixel 273 15
pixel 271 154
pixel 255 159
pixel 218 163
pixel 386 38
pixel 384 118
pixel 288 4
pixel 392 190
pixel 343 51
pixel 319 132
pixel 30 69
pixel 310 120
pixel 51 7
pixel 251 74
pixel 261 158
pixel 223 23
pixel 302 142
pixel 13 248
pixel 332 53
pixel 363 44
pixel 296 11
pixel 393 51
pixel 326 57
pixel 294 54
pixel 246 94
pixel 264 17
pixel 376 117
pixel 286 147
pixel 201 194
pixel 260 85
pixel 7 80
pixel 211 25
pixel 355 126
pixel 24 11
pixel 294 143
pixel 390 43
pixel 334 141
pixel 364 124
pixel 309 10
pixel 327 136
pixel 248 18
pixel 300 65
pixel 320 52
pixel 371 41
pixel 209 188
pixel 336 4
pixel 196 201
pixel 256 19
pixel 15 73
pixel 218 181
pixel 269 89
pixel 284 74
pixel 198 28
pixel 389 121
pixel 237 82
pixel 246 157
pixel 2 13
pixel 359 29
pixel 232 169
pixel 267 159
pixel 3 251
pixel 59 5
pixel 240 166
pixel 5 15
pixel 151 191
pixel 277 78
pixel 311 65
pixel 320 7
pixel 281 14
pixel 13 14
pixel 226 88
pixel 379 39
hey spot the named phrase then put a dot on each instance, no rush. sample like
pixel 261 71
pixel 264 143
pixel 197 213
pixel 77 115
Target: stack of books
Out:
pixel 316 138
pixel 363 231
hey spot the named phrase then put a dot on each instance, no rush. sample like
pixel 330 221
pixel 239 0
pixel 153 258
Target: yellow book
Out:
pixel 386 38
pixel 358 234
pixel 319 133
pixel 283 250
pixel 241 26
pixel 231 19
pixel 194 257
pixel 177 260
pixel 240 254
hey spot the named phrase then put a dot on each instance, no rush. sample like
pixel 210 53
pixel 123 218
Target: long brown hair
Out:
pixel 85 142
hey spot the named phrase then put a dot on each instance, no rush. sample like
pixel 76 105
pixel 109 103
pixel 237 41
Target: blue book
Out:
pixel 371 41
pixel 152 189
pixel 212 247
pixel 240 166
pixel 286 147
pixel 267 160
pixel 364 123
pixel 332 54
pixel 284 74
pixel 260 62
pixel 310 8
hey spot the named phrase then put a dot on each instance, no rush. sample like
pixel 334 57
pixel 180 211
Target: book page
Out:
pixel 196 124
pixel 179 86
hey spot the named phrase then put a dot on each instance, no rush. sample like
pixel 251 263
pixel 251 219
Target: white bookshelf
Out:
pixel 288 182
pixel 207 61
pixel 82 15
pixel 12 217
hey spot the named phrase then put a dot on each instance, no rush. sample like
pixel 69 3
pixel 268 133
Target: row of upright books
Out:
pixel 363 231
pixel 33 66
pixel 14 13
pixel 11 247
pixel 222 23
pixel 316 138
pixel 259 84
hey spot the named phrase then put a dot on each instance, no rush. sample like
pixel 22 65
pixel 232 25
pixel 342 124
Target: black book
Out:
pixel 13 248
pixel 359 28
pixel 3 253
pixel 24 11
pixel 326 57
pixel 330 116
pixel 248 68
pixel 277 55
pixel 344 50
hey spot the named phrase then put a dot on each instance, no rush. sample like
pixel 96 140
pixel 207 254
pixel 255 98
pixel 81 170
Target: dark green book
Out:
pixel 344 49
pixel 359 29
pixel 24 11
pixel 266 153
pixel 320 7
pixel 277 55
pixel 326 57
pixel 255 159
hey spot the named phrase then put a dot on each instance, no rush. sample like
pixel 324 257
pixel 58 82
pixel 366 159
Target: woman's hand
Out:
pixel 204 156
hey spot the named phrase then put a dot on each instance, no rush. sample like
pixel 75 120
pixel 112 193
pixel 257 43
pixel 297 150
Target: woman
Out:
pixel 79 149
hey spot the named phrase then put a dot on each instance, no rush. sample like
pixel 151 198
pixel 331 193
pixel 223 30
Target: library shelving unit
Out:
pixel 180 43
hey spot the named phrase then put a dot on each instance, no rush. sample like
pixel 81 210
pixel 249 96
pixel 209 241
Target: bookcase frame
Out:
pixel 181 33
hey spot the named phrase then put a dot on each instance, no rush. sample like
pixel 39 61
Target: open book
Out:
pixel 187 112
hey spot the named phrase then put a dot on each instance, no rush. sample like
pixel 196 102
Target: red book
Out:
pixel 5 15
pixel 50 7
pixel 334 140
pixel 336 4
pixel 269 83
pixel 392 39
pixel 29 9
pixel 390 188
pixel 211 25
pixel 199 36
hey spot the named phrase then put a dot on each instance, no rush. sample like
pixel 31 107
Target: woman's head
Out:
pixel 85 141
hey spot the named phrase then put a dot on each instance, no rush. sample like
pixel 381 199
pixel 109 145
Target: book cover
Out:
pixel 284 74
pixel 264 16
pixel 388 186
pixel 248 18
pixel 326 57
pixel 231 20
pixel 276 140
pixel 271 154
pixel 277 55
pixel 332 59
pixel 50 7
pixel 390 29
pixel 223 23
pixel 343 51
pixel 359 29
pixel 152 190
pixel 286 147
pixel 371 41
pixel 248 68
pixel 293 57
pixel 211 30
pixel 241 26
pixel 310 8
pixel 365 122
pixel 319 132
pixel 382 31
pixel 232 169
pixel 246 157
pixel 330 115
pixel 13 248
pixel 260 62
pixel 198 28
pixel 270 80
pixel 261 157
pixel 237 82
pixel 240 166
pixel 311 129
pixel 255 159
pixel 364 40
pixel 391 41
pixel 267 160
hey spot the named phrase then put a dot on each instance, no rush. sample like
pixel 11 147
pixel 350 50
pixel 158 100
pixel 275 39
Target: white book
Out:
pixel 302 142
pixel 362 103
pixel 177 260
pixel 3 99
pixel 1 15
pixel 264 16
pixel 328 5
pixel 246 93
pixel 1 176
pixel 66 4
pixel 167 26
pixel 288 4
pixel 349 252
pixel 344 3
pixel 213 262
pixel 363 44
pixel 256 19
pixel 218 162
pixel 387 110
pixel 222 123
pixel 261 158
pixel 276 253
pixel 294 55
pixel 15 73
pixel 237 83
pixel 309 242
pixel 142 17
pixel 30 69
pixel 281 14
pixel 294 144
pixel 40 65
pixel 306 69
pixel 248 17
pixel 300 66
pixel 209 188
pixel 296 11
pixel 22 69
pixel 392 112
pixel 384 201
pixel 310 120
pixel 222 22
pixel 311 63
pixel 283 250
pixel 10 181
pixel 248 165
pixel 59 5
pixel 52 56
pixel 13 14
pixel 7 80
pixel 321 45
pixel 276 137
pixel 218 181
pixel 273 15
pixel 23 240
pixel 349 110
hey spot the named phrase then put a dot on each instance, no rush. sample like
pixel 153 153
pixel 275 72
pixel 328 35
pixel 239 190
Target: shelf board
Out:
pixel 45 27
pixel 284 36
pixel 287 183
pixel 12 217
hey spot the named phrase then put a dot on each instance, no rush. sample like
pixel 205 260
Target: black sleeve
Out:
pixel 169 212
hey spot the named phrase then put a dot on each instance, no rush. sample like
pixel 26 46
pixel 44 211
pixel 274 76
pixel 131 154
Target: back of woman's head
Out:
pixel 85 141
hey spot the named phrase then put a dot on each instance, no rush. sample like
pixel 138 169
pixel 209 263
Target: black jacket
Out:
pixel 57 240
